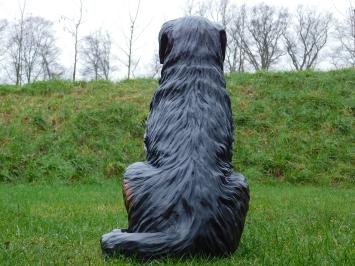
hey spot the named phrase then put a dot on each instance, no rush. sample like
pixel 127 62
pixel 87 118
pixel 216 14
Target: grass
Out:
pixel 286 225
pixel 289 127
pixel 64 147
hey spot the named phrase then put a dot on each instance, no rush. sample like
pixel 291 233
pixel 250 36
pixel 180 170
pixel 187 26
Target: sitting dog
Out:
pixel 185 199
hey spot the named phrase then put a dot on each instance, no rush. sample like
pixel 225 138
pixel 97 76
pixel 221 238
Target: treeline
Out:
pixel 260 37
pixel 30 50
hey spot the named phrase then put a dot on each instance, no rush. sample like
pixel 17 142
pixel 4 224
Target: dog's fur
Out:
pixel 185 199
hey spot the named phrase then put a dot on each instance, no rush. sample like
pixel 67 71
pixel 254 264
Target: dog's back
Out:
pixel 186 199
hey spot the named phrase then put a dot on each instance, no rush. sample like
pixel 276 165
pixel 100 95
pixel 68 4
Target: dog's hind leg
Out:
pixel 240 188
pixel 127 187
pixel 134 177
pixel 240 183
pixel 241 193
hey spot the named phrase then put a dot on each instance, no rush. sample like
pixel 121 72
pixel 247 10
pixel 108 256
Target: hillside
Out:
pixel 289 127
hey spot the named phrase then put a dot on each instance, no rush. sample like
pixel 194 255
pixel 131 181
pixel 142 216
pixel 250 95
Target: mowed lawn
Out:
pixel 286 225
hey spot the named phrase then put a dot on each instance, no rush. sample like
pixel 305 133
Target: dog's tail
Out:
pixel 142 245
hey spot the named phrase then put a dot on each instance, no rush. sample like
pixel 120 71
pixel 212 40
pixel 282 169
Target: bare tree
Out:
pixel 38 32
pixel 307 37
pixel 219 11
pixel 197 8
pixel 231 18
pixel 345 34
pixel 215 10
pixel 90 54
pixel 14 47
pixel 131 39
pixel 155 66
pixel 3 25
pixel 255 38
pixel 96 53
pixel 30 42
pixel 233 21
pixel 73 26
pixel 236 30
pixel 188 8
pixel 49 53
pixel 265 27
pixel 105 59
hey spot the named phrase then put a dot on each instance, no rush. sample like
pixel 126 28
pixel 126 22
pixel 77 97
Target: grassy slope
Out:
pixel 286 225
pixel 293 127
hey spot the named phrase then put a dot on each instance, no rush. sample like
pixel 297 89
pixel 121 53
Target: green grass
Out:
pixel 289 127
pixel 286 225
pixel 295 127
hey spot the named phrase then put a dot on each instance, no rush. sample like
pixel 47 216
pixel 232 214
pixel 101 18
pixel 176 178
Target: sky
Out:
pixel 113 16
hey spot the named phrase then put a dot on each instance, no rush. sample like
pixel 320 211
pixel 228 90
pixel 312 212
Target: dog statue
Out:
pixel 185 199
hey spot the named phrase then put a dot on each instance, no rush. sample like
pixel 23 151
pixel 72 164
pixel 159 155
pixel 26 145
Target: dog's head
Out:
pixel 190 38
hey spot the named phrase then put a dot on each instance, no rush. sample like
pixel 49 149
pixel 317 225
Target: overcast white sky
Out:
pixel 112 15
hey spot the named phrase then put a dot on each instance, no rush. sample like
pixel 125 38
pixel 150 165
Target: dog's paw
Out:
pixel 109 242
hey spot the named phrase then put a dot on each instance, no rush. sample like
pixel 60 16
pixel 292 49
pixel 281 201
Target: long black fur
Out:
pixel 185 199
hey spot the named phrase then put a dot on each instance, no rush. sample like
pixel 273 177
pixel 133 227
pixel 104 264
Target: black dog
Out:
pixel 185 199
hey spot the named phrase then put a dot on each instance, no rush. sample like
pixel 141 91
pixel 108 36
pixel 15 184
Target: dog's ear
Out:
pixel 163 44
pixel 223 41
